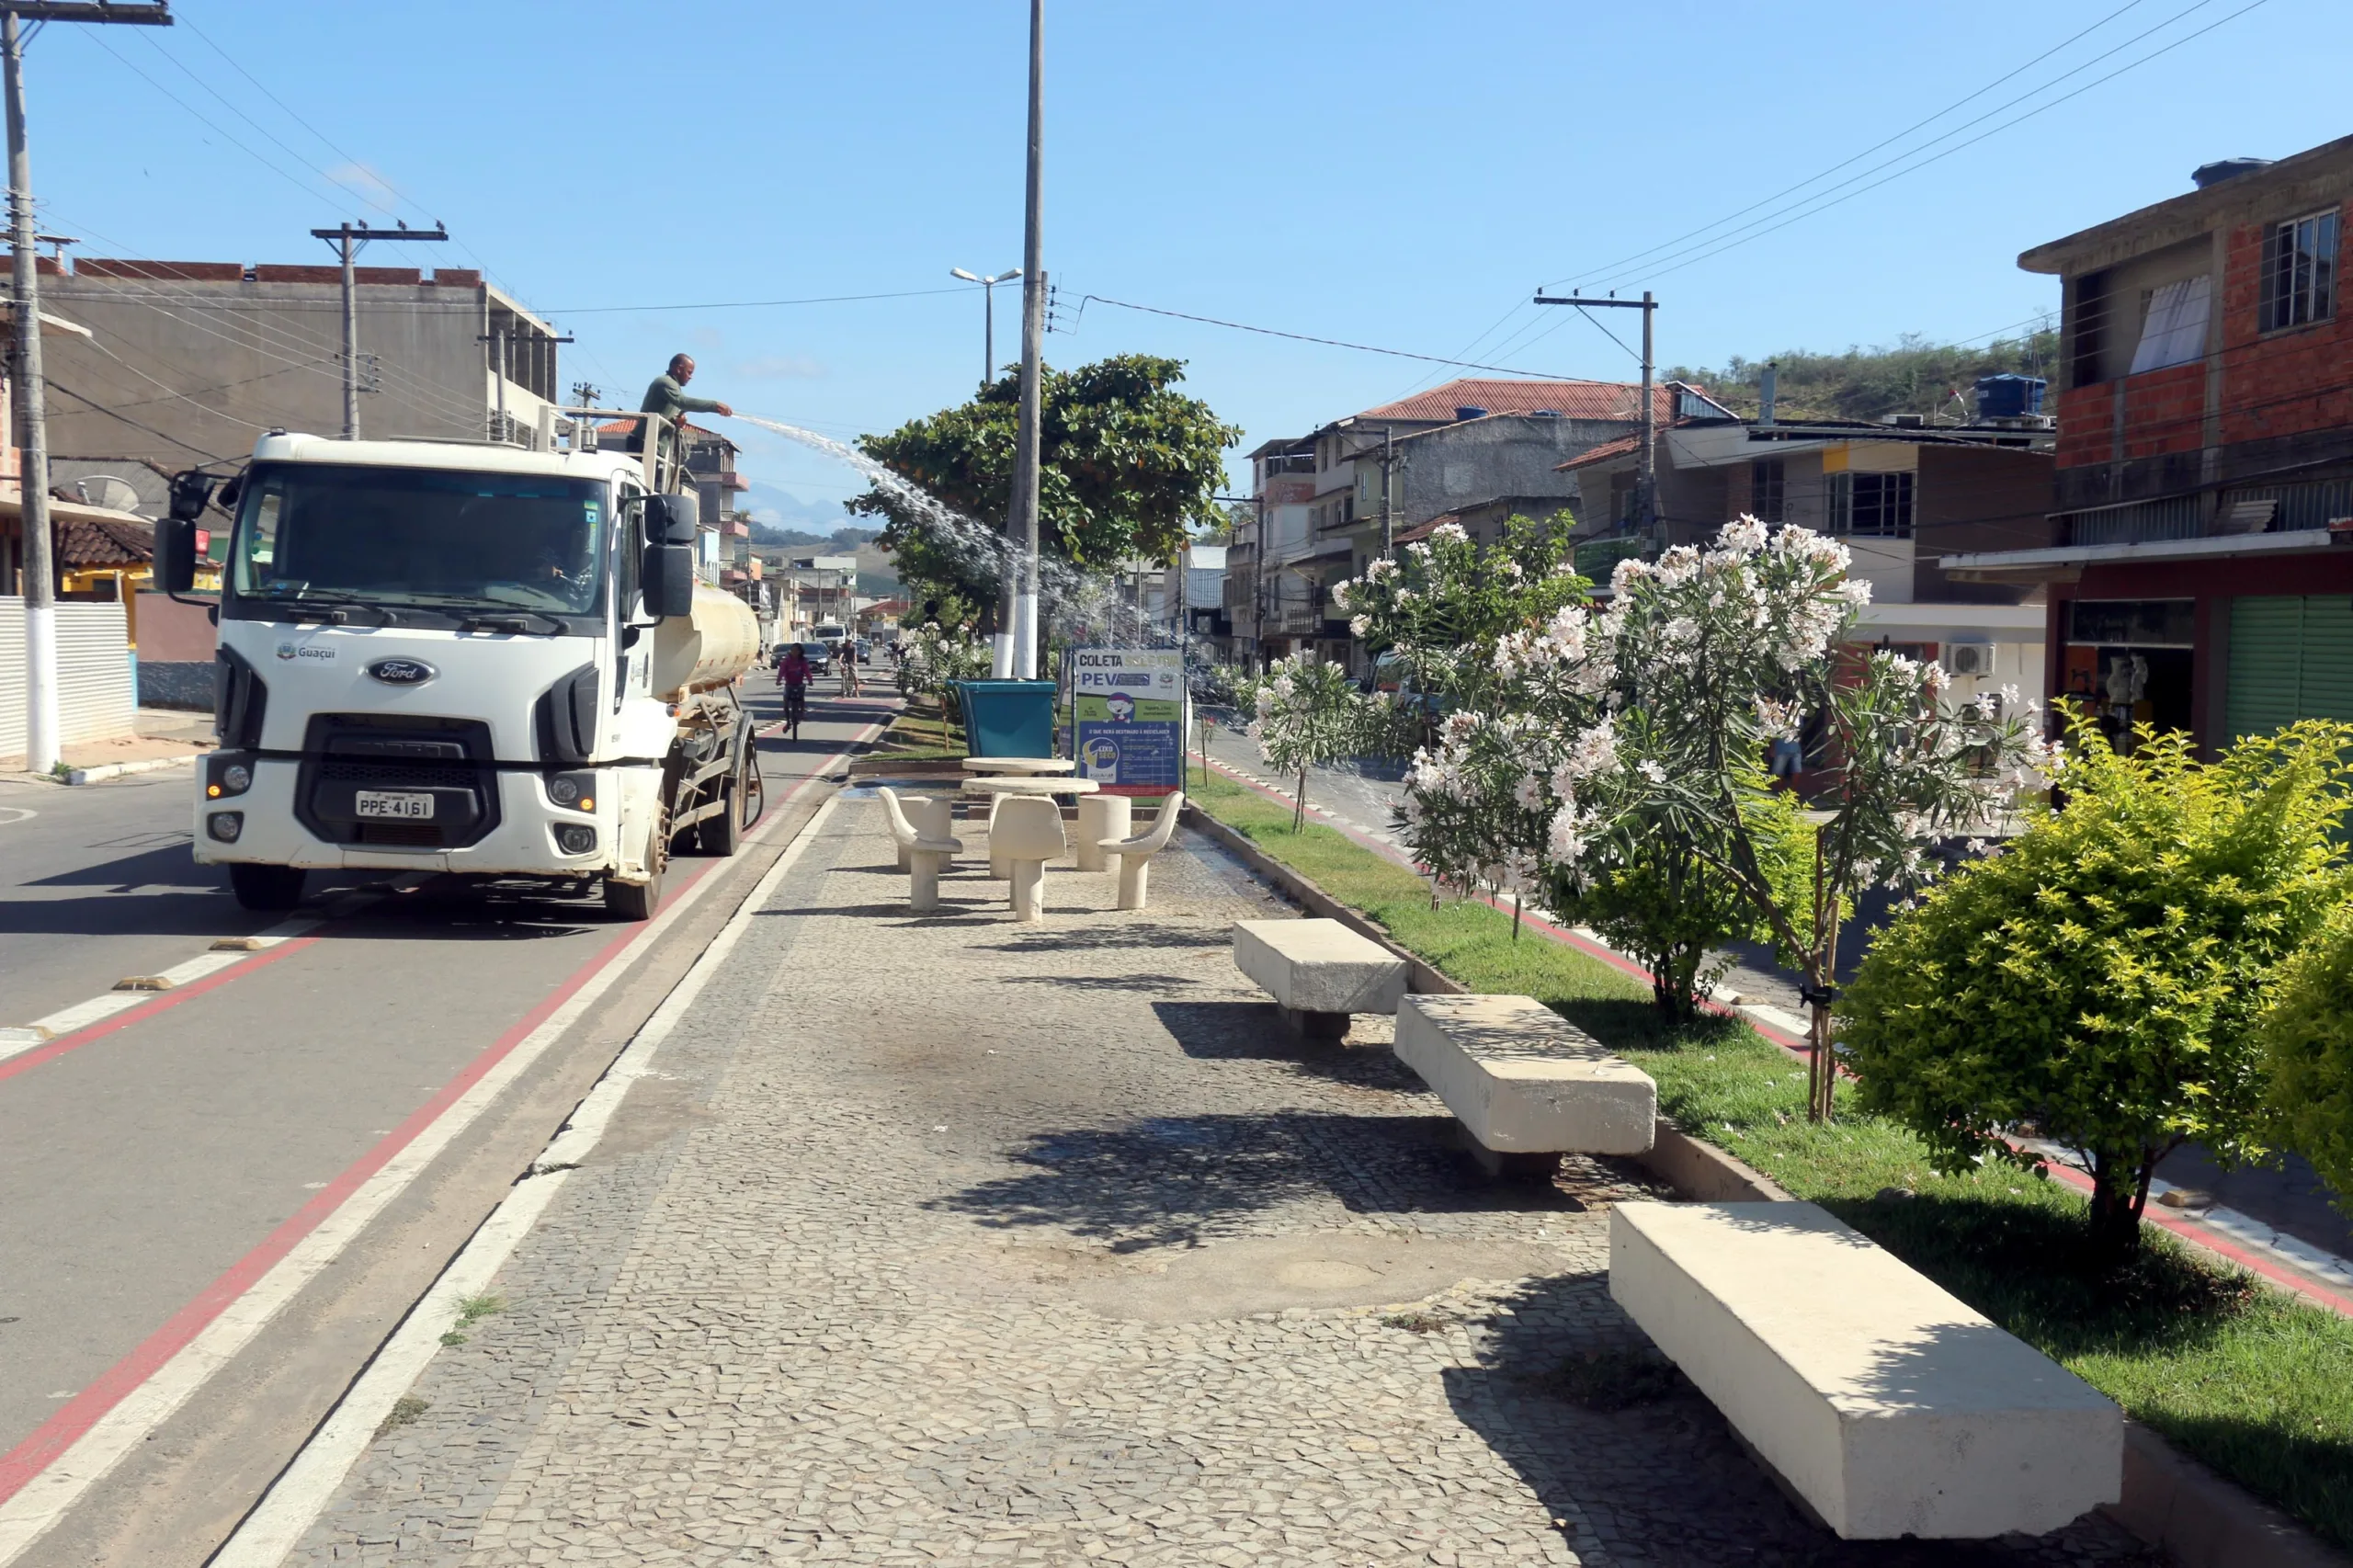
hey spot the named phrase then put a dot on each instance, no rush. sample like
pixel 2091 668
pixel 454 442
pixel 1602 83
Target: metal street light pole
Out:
pixel 988 316
pixel 1033 332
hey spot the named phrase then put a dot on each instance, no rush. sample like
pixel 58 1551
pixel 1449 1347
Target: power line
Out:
pixel 1887 141
pixel 752 304
pixel 1330 341
pixel 1800 211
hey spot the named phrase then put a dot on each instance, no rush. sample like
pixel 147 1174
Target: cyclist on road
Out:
pixel 793 675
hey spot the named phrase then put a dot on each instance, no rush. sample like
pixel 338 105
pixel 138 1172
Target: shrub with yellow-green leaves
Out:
pixel 2308 1037
pixel 2098 981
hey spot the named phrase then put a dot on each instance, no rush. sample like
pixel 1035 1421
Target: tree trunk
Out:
pixel 1299 806
pixel 2120 1188
pixel 1514 917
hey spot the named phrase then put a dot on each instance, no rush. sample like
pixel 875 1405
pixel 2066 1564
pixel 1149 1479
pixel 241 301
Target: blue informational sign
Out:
pixel 1128 718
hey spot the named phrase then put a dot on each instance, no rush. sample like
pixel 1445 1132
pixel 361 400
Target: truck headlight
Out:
pixel 225 826
pixel 574 839
pixel 227 774
pixel 573 791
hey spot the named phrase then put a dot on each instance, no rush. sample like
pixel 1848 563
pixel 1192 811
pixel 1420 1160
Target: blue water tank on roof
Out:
pixel 1470 411
pixel 2008 397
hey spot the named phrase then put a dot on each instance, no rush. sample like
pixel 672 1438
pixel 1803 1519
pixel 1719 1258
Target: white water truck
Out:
pixel 477 658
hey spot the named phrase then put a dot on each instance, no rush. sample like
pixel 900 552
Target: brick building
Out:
pixel 2199 575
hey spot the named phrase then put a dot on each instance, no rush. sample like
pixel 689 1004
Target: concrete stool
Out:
pixel 1527 1085
pixel 925 856
pixel 1135 854
pixel 934 816
pixel 1319 971
pixel 1888 1405
pixel 1102 817
pixel 1027 834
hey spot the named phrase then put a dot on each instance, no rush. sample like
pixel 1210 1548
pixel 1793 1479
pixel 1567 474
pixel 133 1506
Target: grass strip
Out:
pixel 923 730
pixel 2253 1382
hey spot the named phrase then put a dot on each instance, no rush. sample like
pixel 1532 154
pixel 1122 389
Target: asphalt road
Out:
pixel 149 1167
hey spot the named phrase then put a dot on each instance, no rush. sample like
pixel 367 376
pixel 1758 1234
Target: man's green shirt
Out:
pixel 668 398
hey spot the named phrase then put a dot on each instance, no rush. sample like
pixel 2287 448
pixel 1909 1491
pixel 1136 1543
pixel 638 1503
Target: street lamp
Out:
pixel 988 314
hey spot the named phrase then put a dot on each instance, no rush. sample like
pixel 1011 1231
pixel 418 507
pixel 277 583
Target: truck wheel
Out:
pixel 722 834
pixel 632 900
pixel 265 887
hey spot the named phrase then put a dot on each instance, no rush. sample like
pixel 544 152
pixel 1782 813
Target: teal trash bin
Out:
pixel 1009 718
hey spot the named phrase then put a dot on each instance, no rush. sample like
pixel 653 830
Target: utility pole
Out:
pixel 1388 461
pixel 348 238
pixel 500 338
pixel 1033 330
pixel 586 396
pixel 43 735
pixel 1646 482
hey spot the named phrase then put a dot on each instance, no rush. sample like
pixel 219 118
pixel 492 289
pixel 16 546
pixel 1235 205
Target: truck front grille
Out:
pixel 449 759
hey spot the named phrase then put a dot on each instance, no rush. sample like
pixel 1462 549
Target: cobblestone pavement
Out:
pixel 944 1240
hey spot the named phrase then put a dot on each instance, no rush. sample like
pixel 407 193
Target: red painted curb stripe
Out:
pixel 20 1464
pixel 52 1050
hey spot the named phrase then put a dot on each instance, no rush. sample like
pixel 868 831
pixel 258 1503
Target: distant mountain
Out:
pixel 782 520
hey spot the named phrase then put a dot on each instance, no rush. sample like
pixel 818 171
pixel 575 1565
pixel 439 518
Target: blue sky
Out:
pixel 1392 174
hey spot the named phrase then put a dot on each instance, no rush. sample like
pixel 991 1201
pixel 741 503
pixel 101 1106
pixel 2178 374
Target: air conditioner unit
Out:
pixel 1968 658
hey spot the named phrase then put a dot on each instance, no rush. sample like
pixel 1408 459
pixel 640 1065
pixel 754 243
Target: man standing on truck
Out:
pixel 667 395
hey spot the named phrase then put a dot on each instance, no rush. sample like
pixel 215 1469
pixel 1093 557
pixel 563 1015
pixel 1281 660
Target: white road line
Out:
pixel 44 1499
pixel 17 1040
pixel 302 1492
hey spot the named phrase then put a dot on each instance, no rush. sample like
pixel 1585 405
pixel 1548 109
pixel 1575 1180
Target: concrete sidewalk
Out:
pixel 946 1240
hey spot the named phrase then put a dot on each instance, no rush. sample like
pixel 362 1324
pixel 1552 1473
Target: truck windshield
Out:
pixel 425 536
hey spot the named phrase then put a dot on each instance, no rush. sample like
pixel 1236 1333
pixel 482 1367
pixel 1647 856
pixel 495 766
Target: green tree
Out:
pixel 1127 465
pixel 2098 981
pixel 1308 714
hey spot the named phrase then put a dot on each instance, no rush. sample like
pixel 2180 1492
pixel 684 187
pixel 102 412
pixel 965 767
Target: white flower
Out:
pixel 1529 793
pixel 1566 839
pixel 1340 592
pixel 1651 770
pixel 1449 531
pixel 1358 624
pixel 1742 535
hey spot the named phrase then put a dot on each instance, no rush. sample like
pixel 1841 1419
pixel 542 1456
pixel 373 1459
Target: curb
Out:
pixel 2197 1519
pixel 107 771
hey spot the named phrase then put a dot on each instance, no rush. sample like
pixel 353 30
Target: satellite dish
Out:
pixel 107 491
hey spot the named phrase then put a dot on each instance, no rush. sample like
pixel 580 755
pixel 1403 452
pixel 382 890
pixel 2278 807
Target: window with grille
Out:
pixel 1876 506
pixel 1768 492
pixel 2300 271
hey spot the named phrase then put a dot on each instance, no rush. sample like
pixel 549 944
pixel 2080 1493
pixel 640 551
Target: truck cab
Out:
pixel 470 658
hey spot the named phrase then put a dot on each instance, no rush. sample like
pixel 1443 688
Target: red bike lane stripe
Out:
pixel 50 1050
pixel 20 1464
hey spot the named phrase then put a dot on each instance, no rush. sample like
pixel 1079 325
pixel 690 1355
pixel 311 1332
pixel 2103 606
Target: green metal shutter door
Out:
pixel 2265 635
pixel 2325 690
pixel 2292 658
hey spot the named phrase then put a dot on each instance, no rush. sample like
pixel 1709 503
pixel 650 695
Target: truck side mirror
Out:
pixel 672 519
pixel 175 554
pixel 190 492
pixel 667 581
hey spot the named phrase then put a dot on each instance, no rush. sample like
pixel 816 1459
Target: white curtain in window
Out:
pixel 2175 332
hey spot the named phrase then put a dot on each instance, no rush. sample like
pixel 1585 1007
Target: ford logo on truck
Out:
pixel 402 672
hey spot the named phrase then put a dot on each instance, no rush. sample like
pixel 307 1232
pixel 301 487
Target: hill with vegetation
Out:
pixel 1913 376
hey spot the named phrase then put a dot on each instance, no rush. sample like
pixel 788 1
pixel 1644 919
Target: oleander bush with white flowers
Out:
pixel 1629 740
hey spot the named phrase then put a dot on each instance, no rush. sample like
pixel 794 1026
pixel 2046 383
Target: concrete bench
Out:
pixel 1527 1085
pixel 1319 971
pixel 1881 1402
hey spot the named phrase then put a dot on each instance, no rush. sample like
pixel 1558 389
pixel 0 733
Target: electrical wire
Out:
pixel 1331 342
pixel 1823 201
pixel 752 304
pixel 1886 141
